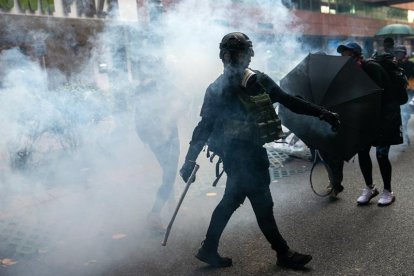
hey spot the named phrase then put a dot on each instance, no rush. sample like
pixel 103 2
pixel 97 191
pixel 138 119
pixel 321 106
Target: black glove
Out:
pixel 187 169
pixel 331 118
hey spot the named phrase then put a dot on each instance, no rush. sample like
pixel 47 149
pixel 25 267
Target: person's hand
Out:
pixel 331 118
pixel 187 169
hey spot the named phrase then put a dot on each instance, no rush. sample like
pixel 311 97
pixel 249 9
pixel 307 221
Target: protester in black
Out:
pixel 390 128
pixel 226 127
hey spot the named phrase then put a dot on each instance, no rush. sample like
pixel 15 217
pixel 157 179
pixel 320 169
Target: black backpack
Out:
pixel 398 80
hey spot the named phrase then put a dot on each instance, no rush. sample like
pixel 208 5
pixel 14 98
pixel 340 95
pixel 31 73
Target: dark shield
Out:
pixel 339 85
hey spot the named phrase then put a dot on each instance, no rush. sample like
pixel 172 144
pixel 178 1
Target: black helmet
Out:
pixel 236 42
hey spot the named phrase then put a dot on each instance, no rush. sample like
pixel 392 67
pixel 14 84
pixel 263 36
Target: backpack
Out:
pixel 398 80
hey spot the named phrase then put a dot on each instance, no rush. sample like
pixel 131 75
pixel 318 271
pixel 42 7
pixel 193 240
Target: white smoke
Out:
pixel 75 136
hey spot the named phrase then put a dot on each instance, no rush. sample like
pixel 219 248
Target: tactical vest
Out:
pixel 261 125
pixel 261 113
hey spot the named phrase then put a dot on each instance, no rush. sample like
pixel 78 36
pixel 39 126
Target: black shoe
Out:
pixel 213 258
pixel 293 259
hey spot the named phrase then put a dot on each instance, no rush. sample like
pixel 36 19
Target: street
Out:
pixel 100 229
pixel 100 99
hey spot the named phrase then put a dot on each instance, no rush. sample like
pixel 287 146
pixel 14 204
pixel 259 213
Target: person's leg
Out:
pixel 385 166
pixel 232 199
pixel 335 170
pixel 221 216
pixel 167 155
pixel 365 164
pixel 262 204
pixel 387 197
pixel 261 199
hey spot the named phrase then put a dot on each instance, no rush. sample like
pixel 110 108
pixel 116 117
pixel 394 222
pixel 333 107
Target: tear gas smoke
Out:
pixel 71 141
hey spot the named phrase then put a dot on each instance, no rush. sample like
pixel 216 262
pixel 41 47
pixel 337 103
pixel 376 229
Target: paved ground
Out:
pixel 99 228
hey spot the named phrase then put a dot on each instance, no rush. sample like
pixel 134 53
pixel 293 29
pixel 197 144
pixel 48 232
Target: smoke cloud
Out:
pixel 73 170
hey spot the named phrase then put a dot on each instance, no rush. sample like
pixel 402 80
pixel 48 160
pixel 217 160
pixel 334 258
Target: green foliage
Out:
pixel 23 4
pixel 33 5
pixel 7 4
pixel 48 6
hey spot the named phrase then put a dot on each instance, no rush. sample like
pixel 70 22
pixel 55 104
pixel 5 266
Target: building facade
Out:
pixel 59 32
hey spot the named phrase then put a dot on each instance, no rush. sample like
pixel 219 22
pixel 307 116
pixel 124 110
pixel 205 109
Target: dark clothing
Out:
pixel 384 164
pixel 408 67
pixel 244 180
pixel 336 166
pixel 390 128
pixel 245 162
pixel 389 134
pixel 221 104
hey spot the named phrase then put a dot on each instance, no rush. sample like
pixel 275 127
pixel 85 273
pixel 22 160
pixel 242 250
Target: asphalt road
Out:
pixel 101 230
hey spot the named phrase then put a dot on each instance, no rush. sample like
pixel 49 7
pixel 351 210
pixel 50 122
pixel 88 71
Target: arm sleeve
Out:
pixel 295 104
pixel 199 138
pixel 204 128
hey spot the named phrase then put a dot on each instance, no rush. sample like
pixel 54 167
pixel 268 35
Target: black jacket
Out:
pixel 221 101
pixel 390 125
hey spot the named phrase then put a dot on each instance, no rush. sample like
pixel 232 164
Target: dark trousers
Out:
pixel 336 167
pixel 245 180
pixel 384 164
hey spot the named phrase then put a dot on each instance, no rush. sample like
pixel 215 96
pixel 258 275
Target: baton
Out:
pixel 189 181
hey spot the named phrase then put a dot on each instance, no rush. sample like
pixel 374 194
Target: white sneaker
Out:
pixel 367 194
pixel 386 198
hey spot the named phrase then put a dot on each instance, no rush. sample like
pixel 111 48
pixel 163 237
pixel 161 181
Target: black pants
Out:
pixel 336 167
pixel 246 178
pixel 384 164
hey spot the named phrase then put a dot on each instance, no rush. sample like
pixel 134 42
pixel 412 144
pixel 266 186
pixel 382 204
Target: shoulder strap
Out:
pixel 218 173
pixel 248 73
